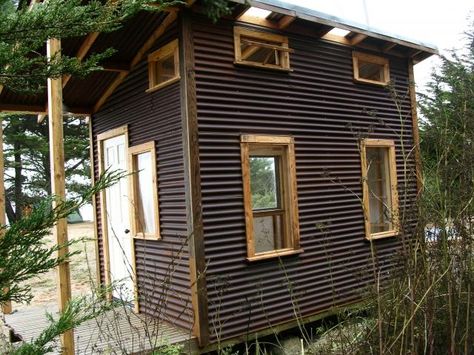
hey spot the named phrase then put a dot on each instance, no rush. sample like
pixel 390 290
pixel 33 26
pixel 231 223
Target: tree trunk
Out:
pixel 18 195
pixel 9 210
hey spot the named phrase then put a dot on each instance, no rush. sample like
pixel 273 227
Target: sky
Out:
pixel 438 22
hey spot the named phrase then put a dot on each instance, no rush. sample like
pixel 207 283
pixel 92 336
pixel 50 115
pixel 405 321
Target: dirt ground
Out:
pixel 83 268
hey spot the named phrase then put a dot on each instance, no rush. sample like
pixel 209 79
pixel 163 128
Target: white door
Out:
pixel 118 221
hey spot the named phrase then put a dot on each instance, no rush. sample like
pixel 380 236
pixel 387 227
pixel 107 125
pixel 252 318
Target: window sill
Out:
pixel 262 66
pixel 275 254
pixel 372 82
pixel 162 85
pixel 147 237
pixel 382 235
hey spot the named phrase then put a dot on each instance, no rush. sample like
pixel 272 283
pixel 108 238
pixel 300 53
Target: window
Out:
pixel 270 196
pixel 379 182
pixel 163 66
pixel 370 69
pixel 260 49
pixel 144 192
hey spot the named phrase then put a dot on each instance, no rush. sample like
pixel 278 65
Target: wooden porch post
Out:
pixel 6 307
pixel 56 153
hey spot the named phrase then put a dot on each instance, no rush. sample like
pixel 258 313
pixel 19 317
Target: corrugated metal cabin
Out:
pixel 271 155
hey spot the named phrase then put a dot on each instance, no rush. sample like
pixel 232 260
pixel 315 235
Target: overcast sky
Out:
pixel 438 22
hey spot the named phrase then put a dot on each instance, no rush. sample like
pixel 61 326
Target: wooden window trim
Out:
pixel 265 36
pixel 380 143
pixel 356 56
pixel 288 193
pixel 163 52
pixel 113 133
pixel 132 152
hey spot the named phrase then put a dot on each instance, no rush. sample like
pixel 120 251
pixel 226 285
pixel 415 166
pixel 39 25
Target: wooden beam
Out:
pixel 82 52
pixel 238 11
pixel 197 262
pixel 414 53
pixel 323 30
pixel 118 80
pixel 41 109
pixel 116 67
pixel 258 21
pixel 169 19
pixel 334 38
pixel 414 121
pixel 7 306
pixel 56 152
pixel 388 47
pixel 21 108
pixel 152 39
pixel 358 38
pixel 285 21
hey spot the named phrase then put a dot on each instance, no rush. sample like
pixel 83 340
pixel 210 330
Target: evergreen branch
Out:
pixel 23 253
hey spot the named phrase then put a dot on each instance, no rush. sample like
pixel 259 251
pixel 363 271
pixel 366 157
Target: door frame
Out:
pixel 122 130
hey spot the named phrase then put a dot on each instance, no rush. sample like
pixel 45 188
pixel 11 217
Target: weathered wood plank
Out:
pixel 58 177
pixel 197 263
pixel 416 134
pixel 117 331
pixel 7 306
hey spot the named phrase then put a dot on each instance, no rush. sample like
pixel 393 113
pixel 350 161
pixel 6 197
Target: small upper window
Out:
pixel 144 199
pixel 370 69
pixel 261 49
pixel 379 182
pixel 163 66
pixel 270 201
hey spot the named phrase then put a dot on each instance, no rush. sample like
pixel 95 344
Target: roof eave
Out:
pixel 334 21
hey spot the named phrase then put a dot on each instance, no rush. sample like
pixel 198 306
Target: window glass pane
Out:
pixel 263 182
pixel 165 69
pixel 380 199
pixel 146 216
pixel 121 153
pixel 110 157
pixel 251 51
pixel 267 233
pixel 371 71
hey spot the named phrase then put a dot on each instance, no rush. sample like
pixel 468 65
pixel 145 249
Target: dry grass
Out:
pixel 83 268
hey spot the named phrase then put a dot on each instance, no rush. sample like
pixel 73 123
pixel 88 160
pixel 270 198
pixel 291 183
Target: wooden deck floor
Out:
pixel 119 331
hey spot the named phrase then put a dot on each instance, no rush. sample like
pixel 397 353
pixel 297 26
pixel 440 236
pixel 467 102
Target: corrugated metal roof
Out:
pixel 312 15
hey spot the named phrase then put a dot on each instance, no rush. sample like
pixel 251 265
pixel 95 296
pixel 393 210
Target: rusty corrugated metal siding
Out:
pixel 163 265
pixel 325 111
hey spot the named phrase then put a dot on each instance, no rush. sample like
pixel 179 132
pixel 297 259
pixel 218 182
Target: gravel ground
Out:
pixel 83 268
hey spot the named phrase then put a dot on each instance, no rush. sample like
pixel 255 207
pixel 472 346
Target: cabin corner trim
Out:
pixel 197 262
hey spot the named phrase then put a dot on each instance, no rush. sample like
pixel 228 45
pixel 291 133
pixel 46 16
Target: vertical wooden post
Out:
pixel 416 134
pixel 197 262
pixel 7 306
pixel 56 153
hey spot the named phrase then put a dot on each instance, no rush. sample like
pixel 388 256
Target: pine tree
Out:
pixel 27 161
pixel 447 131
